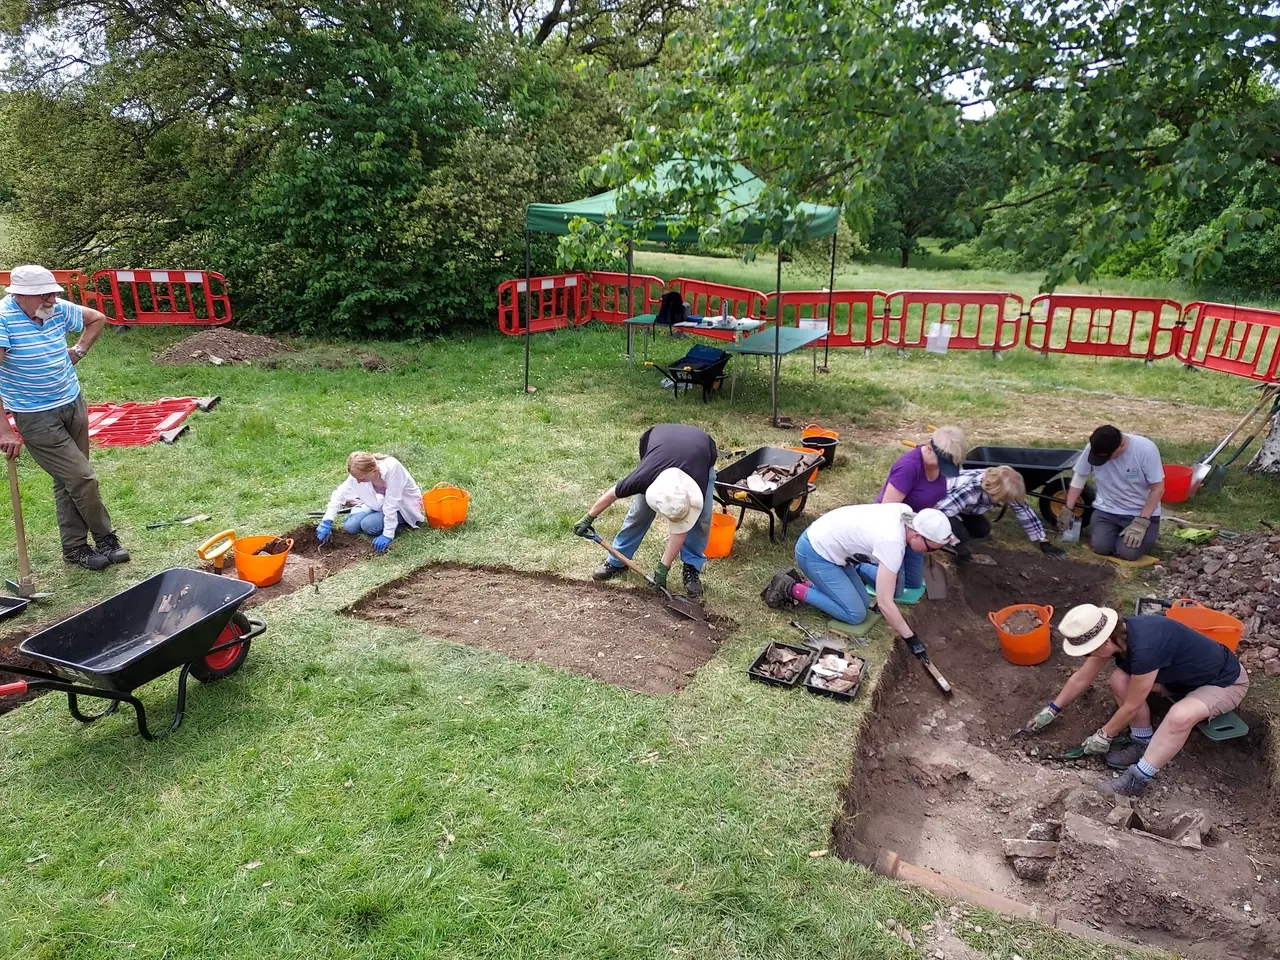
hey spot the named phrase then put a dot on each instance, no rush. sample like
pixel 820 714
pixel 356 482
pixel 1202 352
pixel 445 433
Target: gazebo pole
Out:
pixel 831 297
pixel 631 252
pixel 528 308
pixel 777 337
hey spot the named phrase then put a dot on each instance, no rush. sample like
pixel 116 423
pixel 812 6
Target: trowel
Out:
pixel 681 606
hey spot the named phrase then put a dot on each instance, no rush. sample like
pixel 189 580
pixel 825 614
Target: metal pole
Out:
pixel 528 307
pixel 831 296
pixel 631 251
pixel 777 338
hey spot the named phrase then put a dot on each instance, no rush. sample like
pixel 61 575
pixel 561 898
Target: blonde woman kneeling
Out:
pixel 385 498
pixel 974 492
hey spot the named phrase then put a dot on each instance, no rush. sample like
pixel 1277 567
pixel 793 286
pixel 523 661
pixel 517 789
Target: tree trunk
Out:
pixel 906 256
pixel 1267 459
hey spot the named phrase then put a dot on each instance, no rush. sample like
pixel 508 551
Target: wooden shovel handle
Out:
pixel 24 563
pixel 618 555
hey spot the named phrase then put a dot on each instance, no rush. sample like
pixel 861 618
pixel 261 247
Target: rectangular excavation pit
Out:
pixel 618 635
pixel 941 783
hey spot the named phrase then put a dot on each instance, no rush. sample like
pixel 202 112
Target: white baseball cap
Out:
pixel 1085 628
pixel 32 280
pixel 933 525
pixel 676 497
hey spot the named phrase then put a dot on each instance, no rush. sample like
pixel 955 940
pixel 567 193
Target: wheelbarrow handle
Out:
pixel 12 689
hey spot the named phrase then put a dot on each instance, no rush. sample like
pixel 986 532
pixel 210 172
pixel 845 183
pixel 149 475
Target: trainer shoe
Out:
pixel 87 557
pixel 109 546
pixel 1126 756
pixel 1131 783
pixel 692 582
pixel 777 593
pixel 607 571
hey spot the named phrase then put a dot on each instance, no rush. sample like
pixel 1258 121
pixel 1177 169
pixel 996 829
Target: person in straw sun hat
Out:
pixel 1151 655
pixel 675 480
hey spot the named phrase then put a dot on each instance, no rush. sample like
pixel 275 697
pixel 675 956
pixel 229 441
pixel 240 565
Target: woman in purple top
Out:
pixel 918 478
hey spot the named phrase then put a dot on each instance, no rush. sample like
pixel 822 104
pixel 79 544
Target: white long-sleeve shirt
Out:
pixel 403 496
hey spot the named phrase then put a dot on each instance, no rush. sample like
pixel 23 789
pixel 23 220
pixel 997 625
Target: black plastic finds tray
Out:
pixel 12 606
pixel 753 671
pixel 1151 606
pixel 835 694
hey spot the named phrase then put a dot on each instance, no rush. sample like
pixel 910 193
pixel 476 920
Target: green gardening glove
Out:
pixel 660 575
pixel 1041 720
pixel 583 527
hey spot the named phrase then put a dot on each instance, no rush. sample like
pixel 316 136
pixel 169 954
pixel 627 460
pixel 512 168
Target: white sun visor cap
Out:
pixel 933 525
pixel 32 280
pixel 675 497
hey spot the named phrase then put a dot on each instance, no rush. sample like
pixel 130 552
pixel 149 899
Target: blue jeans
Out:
pixel 837 591
pixel 641 515
pixel 370 521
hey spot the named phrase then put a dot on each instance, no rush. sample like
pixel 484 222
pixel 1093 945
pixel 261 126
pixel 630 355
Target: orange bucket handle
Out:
pixel 991 615
pixel 445 483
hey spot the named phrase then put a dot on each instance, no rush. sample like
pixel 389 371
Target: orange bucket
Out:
pixel 720 543
pixel 1024 649
pixel 813 477
pixel 818 430
pixel 1214 624
pixel 260 571
pixel 445 505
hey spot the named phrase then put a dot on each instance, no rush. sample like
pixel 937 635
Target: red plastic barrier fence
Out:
pixel 609 301
pixel 979 320
pixel 557 302
pixel 139 424
pixel 79 286
pixel 859 314
pixel 1243 341
pixel 1100 326
pixel 707 299
pixel 130 297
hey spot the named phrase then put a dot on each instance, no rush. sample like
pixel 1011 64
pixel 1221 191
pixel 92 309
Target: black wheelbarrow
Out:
pixel 785 502
pixel 1042 471
pixel 179 618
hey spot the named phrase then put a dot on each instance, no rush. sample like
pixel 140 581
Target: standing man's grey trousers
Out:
pixel 58 440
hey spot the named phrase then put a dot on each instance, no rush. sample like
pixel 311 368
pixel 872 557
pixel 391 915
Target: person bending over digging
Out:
pixel 383 494
pixel 676 478
pixel 918 478
pixel 1151 654
pixel 974 492
pixel 1129 478
pixel 849 545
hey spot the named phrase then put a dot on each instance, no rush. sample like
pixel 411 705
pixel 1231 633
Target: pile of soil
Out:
pixel 310 561
pixel 943 783
pixel 1241 578
pixel 1022 621
pixel 228 346
pixel 616 635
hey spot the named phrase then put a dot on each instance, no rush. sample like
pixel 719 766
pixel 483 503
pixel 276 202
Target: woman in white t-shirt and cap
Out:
pixel 848 544
pixel 383 494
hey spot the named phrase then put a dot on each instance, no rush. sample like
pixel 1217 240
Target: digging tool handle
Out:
pixel 618 555
pixel 12 689
pixel 24 564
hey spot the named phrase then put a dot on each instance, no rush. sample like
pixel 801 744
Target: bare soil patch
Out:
pixel 228 346
pixel 942 783
pixel 616 635
pixel 310 561
pixel 9 654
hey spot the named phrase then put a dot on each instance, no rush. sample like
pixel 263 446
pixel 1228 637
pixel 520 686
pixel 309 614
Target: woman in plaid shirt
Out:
pixel 974 492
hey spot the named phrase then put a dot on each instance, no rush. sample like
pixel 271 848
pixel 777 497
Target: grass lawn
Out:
pixel 361 790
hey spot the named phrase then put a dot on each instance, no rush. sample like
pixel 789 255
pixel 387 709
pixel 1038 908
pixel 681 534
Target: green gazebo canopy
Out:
pixel 738 199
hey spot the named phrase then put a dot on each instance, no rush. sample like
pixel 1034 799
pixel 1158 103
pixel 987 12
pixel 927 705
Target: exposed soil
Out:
pixel 310 561
pixel 9 654
pixel 617 635
pixel 942 783
pixel 229 346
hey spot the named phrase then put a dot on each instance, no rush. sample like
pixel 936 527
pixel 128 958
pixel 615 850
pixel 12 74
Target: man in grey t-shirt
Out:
pixel 1129 480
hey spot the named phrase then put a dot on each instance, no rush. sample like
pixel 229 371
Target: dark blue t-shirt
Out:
pixel 1181 658
pixel 670 445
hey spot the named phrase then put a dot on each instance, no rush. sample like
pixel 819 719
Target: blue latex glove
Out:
pixel 324 530
pixel 380 544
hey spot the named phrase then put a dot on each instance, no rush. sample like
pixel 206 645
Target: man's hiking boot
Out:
pixel 87 557
pixel 109 546
pixel 607 571
pixel 692 582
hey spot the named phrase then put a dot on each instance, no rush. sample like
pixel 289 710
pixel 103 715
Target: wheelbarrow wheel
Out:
pixel 1056 490
pixel 223 663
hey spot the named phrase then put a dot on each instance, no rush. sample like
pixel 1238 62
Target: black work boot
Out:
pixel 109 546
pixel 87 557
pixel 777 593
pixel 607 571
pixel 692 582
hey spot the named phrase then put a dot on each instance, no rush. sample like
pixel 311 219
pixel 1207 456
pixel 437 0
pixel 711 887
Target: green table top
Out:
pixel 644 319
pixel 762 344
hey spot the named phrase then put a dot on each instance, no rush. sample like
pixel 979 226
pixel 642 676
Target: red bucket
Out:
pixel 1177 483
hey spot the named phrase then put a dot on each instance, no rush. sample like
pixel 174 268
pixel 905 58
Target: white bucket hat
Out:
pixel 1085 628
pixel 933 525
pixel 32 280
pixel 676 497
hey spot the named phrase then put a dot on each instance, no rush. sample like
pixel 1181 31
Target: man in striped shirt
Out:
pixel 38 385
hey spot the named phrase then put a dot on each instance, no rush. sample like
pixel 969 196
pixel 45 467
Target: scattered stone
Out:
pixel 1045 830
pixel 1030 848
pixel 1032 868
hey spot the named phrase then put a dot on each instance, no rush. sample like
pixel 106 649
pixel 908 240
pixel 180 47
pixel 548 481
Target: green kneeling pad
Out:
pixel 855 629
